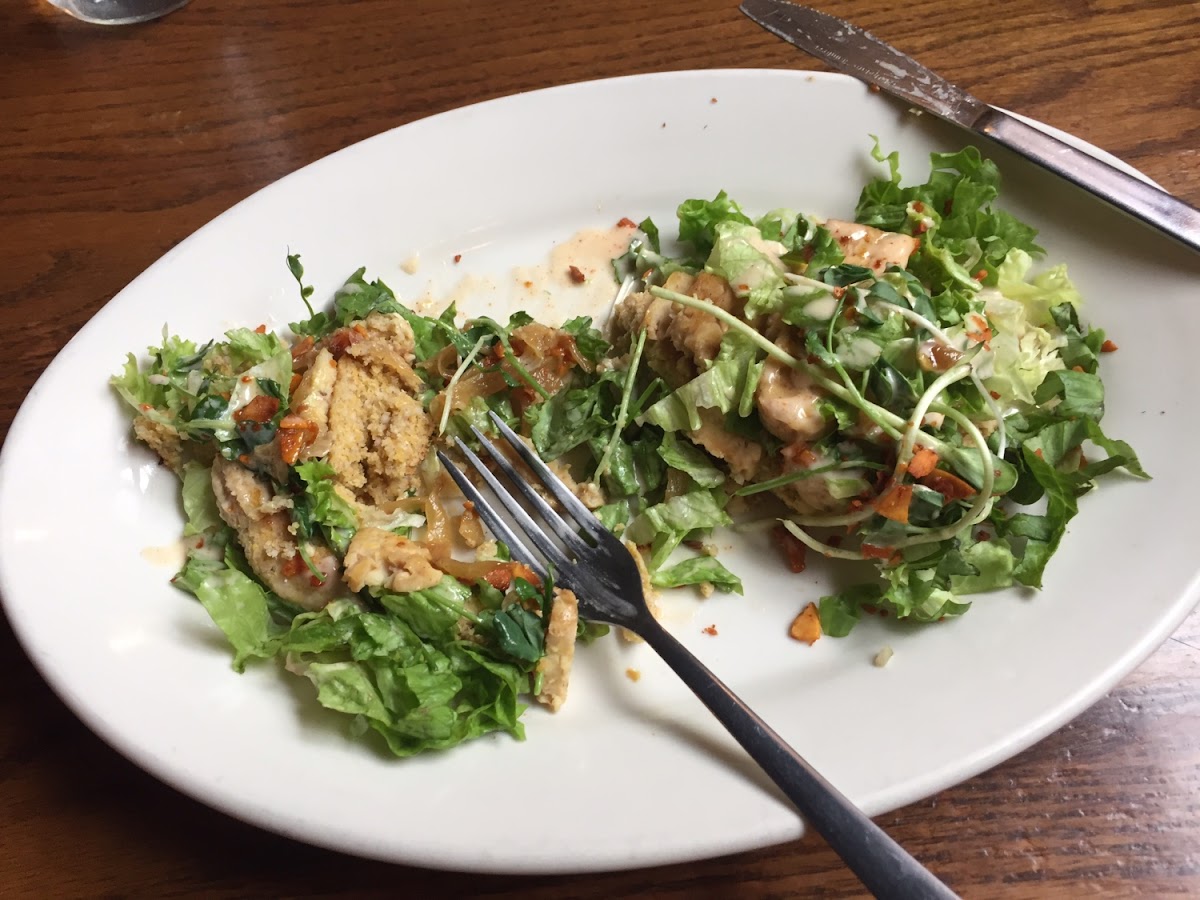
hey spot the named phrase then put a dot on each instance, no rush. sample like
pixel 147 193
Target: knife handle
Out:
pixel 1132 195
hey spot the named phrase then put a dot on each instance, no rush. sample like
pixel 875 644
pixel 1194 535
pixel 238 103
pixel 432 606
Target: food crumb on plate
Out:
pixel 806 627
pixel 633 674
pixel 883 657
pixel 711 629
pixel 412 264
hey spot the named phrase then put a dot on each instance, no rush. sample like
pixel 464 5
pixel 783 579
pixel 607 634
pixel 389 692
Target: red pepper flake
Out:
pixel 626 222
pixel 1108 347
pixel 982 536
pixel 244 459
pixel 995 395
pixel 315 581
pixel 199 543
pixel 980 275
pixel 1038 453
pixel 145 406
pixel 711 629
pixel 528 284
pixel 261 329
pixel 576 274
pixel 873 88
pixel 794 551
pixel 713 100
pixel 458 257
pixel 246 379
pixel 918 206
pixel 920 227
pixel 982 332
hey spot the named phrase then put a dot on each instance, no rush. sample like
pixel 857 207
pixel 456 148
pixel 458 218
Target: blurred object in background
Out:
pixel 118 12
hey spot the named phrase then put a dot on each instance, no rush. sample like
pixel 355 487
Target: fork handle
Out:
pixel 883 866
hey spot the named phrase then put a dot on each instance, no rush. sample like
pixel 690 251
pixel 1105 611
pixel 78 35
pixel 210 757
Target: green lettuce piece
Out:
pixel 687 457
pixel 666 525
pixel 1023 353
pixel 577 415
pixel 519 632
pixel 199 501
pixel 433 613
pixel 993 563
pixel 163 383
pixel 358 298
pixel 262 366
pixel 237 604
pixel 839 613
pixel 431 335
pixel 1041 293
pixel 963 232
pixel 418 695
pixel 590 342
pixel 727 385
pixel 321 507
pixel 613 515
pixel 698 570
pixel 698 220
pixel 1079 393
pixel 1082 347
pixel 739 255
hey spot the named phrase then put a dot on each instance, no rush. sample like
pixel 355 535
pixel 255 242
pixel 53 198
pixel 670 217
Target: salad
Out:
pixel 896 390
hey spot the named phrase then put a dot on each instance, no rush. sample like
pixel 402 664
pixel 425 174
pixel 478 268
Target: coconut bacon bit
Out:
pixel 806 627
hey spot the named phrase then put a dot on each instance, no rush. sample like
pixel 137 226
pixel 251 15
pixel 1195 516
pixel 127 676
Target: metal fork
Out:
pixel 601 572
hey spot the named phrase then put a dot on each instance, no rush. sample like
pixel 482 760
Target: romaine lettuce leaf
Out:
pixel 698 220
pixel 1039 294
pixel 698 570
pixel 741 257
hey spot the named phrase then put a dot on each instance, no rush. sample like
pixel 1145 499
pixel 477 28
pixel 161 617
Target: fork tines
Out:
pixel 551 551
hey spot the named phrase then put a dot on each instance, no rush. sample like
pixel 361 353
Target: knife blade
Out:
pixel 857 52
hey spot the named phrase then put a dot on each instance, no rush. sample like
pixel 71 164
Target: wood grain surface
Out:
pixel 117 143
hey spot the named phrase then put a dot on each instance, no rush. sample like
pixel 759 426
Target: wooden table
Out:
pixel 117 143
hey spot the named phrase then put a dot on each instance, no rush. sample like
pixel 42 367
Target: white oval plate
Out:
pixel 628 774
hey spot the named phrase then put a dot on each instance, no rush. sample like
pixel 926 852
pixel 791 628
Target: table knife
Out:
pixel 856 52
